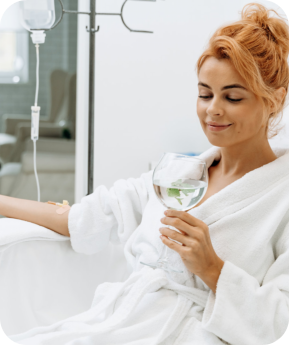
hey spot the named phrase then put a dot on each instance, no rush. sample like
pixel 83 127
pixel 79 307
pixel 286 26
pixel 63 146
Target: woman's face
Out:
pixel 229 113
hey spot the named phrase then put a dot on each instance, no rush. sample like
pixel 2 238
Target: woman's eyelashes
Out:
pixel 234 100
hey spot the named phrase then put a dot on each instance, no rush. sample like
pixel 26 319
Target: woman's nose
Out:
pixel 215 107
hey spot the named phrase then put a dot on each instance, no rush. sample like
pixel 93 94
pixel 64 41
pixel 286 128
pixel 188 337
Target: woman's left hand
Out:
pixel 196 250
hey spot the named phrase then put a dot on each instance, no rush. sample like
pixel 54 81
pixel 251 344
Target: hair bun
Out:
pixel 256 13
pixel 274 27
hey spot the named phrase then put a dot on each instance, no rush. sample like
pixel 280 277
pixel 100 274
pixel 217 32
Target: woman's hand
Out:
pixel 196 250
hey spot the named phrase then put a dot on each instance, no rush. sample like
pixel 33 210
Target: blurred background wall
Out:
pixel 146 85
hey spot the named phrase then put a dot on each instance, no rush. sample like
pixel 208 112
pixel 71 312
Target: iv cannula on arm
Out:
pixel 39 213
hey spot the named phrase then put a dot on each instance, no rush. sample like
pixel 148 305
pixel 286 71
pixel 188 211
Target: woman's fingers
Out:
pixel 195 247
pixel 189 230
pixel 186 217
pixel 176 236
pixel 173 245
pixel 177 223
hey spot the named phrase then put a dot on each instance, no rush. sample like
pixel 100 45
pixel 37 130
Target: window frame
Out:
pixel 22 50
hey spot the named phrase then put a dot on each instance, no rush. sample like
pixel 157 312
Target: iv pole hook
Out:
pixel 124 23
pixel 93 31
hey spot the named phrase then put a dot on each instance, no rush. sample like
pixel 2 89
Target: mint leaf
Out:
pixel 173 192
pixel 190 190
pixel 187 191
pixel 179 200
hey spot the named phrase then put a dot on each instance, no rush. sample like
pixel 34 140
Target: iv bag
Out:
pixel 37 14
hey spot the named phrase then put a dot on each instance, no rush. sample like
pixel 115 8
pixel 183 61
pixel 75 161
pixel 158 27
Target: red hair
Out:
pixel 258 47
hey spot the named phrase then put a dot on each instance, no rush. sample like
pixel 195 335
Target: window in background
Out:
pixel 13 48
pixel 13 57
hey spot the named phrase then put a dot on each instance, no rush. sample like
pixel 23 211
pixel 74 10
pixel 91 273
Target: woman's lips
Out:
pixel 218 128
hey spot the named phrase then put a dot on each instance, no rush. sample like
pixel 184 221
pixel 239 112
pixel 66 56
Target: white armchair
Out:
pixel 43 280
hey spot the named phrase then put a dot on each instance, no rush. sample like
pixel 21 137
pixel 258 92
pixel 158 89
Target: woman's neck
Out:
pixel 240 159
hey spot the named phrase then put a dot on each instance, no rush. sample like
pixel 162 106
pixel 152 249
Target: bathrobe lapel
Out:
pixel 245 190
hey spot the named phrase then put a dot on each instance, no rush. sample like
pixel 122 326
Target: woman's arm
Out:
pixel 35 212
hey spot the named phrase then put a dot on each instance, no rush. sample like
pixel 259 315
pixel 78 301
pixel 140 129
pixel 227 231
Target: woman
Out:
pixel 235 252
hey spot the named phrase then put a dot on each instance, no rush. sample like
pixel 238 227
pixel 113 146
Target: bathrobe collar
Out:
pixel 245 190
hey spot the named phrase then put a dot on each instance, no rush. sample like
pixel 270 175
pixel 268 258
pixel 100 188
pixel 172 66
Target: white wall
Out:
pixel 146 85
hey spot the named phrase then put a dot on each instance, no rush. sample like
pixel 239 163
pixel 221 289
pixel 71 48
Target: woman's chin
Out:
pixel 220 142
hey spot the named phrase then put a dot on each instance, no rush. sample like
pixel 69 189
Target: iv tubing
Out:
pixel 36 100
pixel 35 171
pixel 37 74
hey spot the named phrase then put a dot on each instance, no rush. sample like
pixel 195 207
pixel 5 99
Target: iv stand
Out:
pixel 91 87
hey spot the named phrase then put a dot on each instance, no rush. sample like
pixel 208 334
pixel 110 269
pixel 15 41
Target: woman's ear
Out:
pixel 280 94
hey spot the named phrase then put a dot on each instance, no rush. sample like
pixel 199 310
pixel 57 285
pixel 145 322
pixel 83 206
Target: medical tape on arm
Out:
pixel 64 207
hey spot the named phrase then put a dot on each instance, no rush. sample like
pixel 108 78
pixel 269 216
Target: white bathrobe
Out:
pixel 249 228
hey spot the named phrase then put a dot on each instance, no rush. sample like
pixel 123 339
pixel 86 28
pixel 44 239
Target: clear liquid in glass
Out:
pixel 180 195
pixel 180 182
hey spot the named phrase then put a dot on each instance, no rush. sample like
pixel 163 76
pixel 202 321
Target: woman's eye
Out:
pixel 234 100
pixel 229 99
pixel 205 97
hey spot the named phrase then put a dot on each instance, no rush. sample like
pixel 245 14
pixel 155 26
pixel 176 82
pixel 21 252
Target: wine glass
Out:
pixel 180 182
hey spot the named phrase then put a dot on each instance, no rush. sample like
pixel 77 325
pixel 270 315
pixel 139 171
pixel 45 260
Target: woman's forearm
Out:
pixel 35 212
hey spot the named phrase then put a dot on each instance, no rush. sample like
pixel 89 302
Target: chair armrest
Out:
pixel 10 122
pixel 14 231
pixel 43 280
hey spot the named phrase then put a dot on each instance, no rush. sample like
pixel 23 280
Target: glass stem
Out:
pixel 164 254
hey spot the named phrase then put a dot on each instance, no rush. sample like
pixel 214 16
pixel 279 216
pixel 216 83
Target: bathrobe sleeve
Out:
pixel 108 215
pixel 244 312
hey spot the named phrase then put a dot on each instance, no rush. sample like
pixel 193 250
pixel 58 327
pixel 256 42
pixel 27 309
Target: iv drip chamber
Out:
pixel 35 114
pixel 37 14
